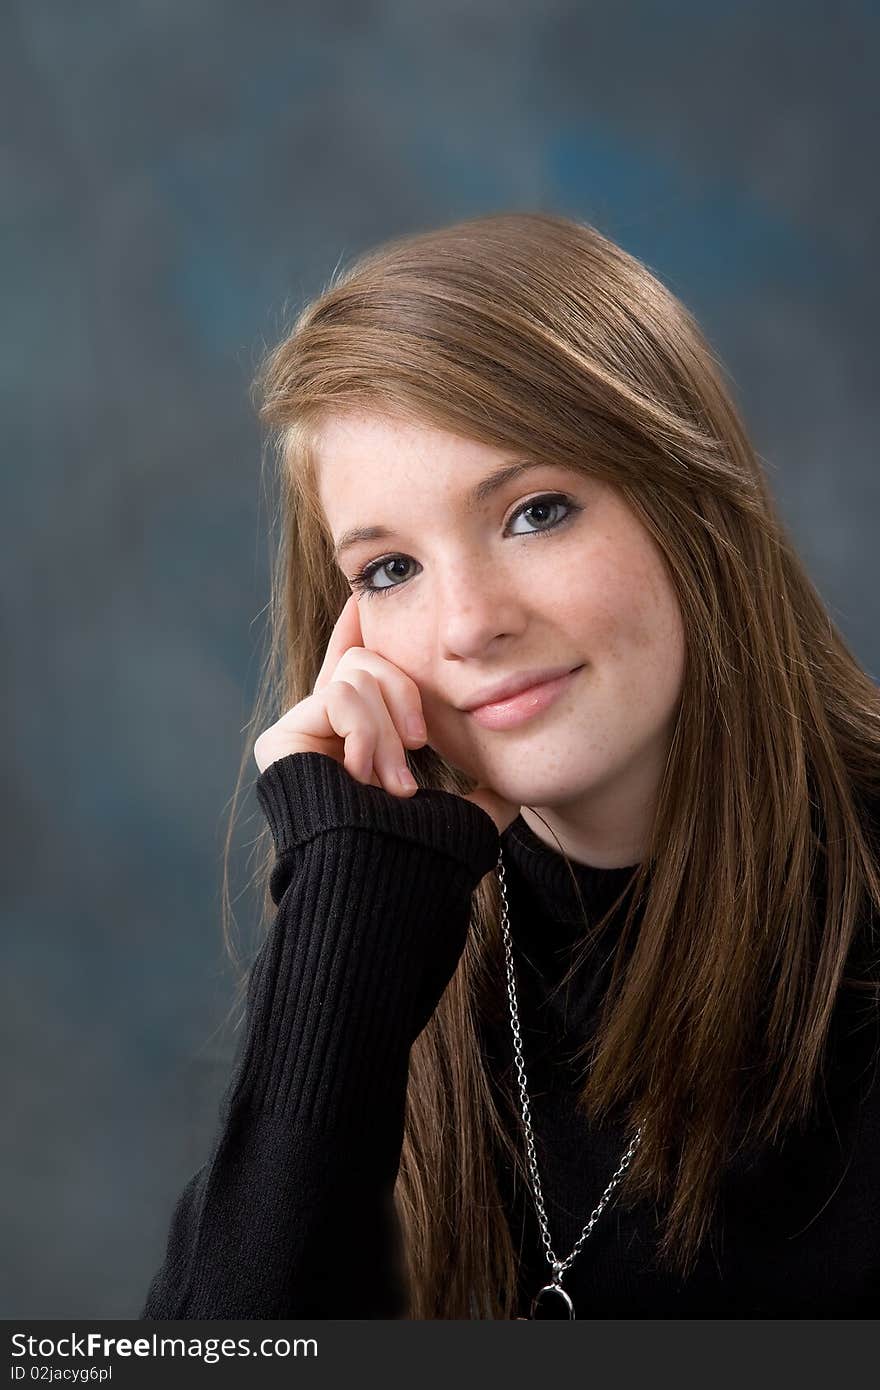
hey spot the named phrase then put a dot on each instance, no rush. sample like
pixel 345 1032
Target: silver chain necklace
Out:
pixel 546 1301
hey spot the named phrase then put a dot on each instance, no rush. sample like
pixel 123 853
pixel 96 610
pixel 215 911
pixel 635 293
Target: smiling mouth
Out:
pixel 510 690
pixel 516 709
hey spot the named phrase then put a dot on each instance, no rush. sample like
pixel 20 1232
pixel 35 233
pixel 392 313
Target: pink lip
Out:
pixel 506 714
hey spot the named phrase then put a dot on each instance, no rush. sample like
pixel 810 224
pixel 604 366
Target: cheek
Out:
pixel 389 636
pixel 628 609
pixel 651 644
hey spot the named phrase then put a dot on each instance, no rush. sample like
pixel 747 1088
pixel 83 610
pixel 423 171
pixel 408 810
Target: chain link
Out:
pixel 558 1266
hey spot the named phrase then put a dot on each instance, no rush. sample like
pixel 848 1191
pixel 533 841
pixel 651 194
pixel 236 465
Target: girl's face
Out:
pixel 550 569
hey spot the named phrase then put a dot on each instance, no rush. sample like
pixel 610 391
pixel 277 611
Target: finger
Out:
pixel 352 717
pixel 380 743
pixel 340 712
pixel 346 634
pixel 401 694
pixel 353 711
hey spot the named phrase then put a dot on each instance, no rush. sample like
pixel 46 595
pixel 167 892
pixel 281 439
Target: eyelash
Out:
pixel 361 580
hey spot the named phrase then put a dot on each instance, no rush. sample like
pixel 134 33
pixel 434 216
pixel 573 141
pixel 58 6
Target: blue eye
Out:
pixel 362 581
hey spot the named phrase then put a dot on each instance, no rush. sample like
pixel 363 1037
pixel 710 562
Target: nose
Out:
pixel 474 606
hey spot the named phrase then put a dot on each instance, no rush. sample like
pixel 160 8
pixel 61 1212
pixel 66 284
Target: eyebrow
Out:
pixel 479 493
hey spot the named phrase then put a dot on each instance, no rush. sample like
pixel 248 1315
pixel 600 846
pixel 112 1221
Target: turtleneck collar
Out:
pixel 545 872
pixel 547 926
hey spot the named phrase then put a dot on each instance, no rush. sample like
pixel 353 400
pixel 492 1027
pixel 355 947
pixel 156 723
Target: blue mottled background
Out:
pixel 175 175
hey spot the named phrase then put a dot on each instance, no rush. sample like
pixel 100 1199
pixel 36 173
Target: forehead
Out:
pixel 368 465
pixel 354 449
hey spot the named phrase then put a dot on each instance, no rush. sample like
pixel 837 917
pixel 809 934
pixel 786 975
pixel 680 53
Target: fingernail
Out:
pixel 405 778
pixel 415 726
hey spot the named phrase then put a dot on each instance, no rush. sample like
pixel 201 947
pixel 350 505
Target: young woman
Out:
pixel 583 1020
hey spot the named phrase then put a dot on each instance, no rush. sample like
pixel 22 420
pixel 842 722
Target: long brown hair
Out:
pixel 536 333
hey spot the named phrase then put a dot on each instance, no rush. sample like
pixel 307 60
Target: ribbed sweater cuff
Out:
pixel 304 794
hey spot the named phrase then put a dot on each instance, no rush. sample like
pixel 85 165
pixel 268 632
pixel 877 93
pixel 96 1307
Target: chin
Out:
pixel 536 791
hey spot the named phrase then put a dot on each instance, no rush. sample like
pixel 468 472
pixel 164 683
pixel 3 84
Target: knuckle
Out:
pixel 352 656
pixel 341 689
pixel 356 679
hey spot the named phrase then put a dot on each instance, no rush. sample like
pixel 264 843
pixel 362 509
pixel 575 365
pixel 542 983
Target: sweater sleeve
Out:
pixel 293 1215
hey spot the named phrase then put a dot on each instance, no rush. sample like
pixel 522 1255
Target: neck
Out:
pixel 609 824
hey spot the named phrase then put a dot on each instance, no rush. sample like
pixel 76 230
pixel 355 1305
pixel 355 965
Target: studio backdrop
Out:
pixel 177 178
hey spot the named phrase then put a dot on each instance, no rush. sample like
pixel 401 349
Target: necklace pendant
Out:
pixel 552 1302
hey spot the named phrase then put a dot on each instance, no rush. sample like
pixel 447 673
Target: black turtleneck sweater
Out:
pixel 292 1215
